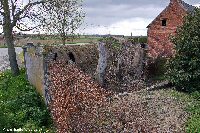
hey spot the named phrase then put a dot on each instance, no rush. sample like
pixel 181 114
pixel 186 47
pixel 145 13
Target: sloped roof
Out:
pixel 157 17
pixel 186 6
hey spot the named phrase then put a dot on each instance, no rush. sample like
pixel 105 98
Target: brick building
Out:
pixel 164 25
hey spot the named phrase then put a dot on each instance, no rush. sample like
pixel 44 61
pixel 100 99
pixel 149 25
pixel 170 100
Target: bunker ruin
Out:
pixel 114 65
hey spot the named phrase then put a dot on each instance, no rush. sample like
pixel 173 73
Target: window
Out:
pixel 164 22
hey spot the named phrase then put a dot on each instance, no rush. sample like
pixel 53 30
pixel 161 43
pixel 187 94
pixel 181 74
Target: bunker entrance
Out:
pixel 71 57
pixel 55 56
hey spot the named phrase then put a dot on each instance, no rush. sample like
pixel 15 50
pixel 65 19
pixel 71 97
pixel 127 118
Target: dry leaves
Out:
pixel 80 105
pixel 75 98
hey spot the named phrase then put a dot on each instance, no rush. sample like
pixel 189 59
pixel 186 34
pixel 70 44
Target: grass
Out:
pixel 193 108
pixel 5 46
pixel 21 57
pixel 2 45
pixel 50 41
pixel 21 106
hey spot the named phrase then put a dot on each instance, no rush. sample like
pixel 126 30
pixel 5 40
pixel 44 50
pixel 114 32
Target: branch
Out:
pixel 2 13
pixel 1 8
pixel 25 29
pixel 16 17
pixel 13 7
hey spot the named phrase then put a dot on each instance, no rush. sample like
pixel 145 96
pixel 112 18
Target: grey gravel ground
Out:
pixel 4 61
pixel 156 109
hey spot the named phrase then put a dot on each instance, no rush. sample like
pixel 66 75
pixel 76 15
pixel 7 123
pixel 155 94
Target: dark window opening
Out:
pixel 55 56
pixel 71 57
pixel 164 22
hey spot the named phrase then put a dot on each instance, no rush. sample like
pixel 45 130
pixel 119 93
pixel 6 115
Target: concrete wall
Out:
pixel 37 60
pixel 85 56
pixel 125 65
pixel 34 66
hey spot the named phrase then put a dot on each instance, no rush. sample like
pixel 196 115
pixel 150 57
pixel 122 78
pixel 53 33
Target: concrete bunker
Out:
pixel 118 67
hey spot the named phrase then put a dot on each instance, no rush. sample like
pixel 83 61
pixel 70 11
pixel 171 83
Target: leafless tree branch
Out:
pixel 25 29
pixel 1 8
pixel 23 12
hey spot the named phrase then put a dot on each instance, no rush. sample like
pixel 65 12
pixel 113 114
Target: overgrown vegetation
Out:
pixel 183 69
pixel 114 43
pixel 21 106
pixel 141 39
pixel 193 108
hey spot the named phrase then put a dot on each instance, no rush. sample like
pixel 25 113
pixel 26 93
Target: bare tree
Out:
pixel 16 14
pixel 62 17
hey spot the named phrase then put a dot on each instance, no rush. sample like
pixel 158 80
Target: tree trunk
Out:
pixel 63 40
pixel 7 29
pixel 12 54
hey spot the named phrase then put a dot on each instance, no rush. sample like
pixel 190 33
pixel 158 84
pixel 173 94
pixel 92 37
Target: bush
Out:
pixel 20 105
pixel 183 69
pixel 192 124
pixel 192 102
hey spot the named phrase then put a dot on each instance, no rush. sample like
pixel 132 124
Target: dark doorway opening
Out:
pixel 71 57
pixel 55 56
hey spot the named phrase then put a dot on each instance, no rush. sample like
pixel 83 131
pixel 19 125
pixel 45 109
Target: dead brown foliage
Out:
pixel 75 99
pixel 80 105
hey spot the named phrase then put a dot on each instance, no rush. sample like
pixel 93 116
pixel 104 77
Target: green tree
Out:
pixel 183 69
pixel 15 14
pixel 62 17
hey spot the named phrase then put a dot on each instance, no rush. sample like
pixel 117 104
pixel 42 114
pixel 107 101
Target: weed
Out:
pixel 20 105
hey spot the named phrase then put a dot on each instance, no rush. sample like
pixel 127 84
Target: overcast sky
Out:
pixel 122 16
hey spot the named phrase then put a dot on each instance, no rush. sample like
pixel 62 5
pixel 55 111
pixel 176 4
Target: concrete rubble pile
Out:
pixel 124 66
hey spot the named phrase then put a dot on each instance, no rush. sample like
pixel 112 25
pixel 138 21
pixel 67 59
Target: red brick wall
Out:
pixel 158 35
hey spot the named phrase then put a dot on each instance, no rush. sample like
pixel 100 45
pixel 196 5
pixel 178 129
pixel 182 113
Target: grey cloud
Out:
pixel 133 3
pixel 107 12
